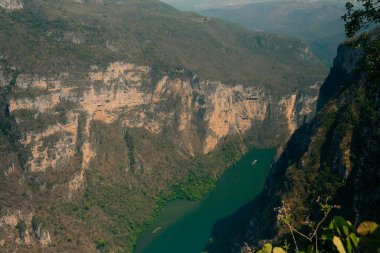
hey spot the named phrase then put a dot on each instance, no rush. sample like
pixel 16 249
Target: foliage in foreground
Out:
pixel 340 236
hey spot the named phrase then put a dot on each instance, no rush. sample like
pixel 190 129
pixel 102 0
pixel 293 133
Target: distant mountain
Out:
pixel 316 22
pixel 198 5
pixel 152 33
pixel 195 5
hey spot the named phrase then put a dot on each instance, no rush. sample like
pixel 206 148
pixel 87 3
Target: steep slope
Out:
pixel 144 140
pixel 110 109
pixel 334 156
pixel 73 35
pixel 316 22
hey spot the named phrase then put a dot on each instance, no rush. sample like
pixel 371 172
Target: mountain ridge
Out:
pixel 204 46
pixel 316 22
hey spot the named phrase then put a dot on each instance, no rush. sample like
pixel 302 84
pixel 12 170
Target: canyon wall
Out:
pixel 333 158
pixel 122 94
pixel 73 128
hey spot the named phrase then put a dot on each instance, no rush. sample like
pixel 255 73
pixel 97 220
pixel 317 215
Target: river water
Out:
pixel 186 226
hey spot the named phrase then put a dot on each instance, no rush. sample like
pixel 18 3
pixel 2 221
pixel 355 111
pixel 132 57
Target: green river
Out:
pixel 186 226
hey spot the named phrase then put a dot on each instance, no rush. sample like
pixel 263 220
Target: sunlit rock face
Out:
pixel 24 229
pixel 72 128
pixel 11 4
pixel 123 94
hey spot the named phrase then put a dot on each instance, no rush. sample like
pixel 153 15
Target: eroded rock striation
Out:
pixel 59 119
pixel 122 94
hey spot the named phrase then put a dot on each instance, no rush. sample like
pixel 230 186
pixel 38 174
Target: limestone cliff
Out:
pixel 59 118
pixel 122 93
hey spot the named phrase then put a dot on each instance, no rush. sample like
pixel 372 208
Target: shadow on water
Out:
pixel 188 230
pixel 229 229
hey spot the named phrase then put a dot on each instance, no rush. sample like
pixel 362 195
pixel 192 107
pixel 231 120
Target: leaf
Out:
pixel 326 237
pixel 339 245
pixel 366 227
pixel 327 234
pixel 310 249
pixel 346 230
pixel 278 250
pixel 349 246
pixel 266 249
pixel 354 239
pixel 341 225
pixel 340 221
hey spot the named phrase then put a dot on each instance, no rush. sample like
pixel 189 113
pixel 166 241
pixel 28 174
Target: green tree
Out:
pixel 361 15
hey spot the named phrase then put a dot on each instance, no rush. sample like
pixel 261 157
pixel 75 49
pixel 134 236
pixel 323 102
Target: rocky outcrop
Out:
pixel 11 4
pixel 122 93
pixel 22 229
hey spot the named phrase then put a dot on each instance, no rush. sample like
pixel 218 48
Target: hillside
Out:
pixel 316 22
pixel 334 156
pixel 108 109
pixel 36 37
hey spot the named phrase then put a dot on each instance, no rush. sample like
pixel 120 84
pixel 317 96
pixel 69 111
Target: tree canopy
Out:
pixel 361 15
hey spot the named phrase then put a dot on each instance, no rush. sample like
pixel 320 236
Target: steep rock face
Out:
pixel 122 93
pixel 70 127
pixel 334 156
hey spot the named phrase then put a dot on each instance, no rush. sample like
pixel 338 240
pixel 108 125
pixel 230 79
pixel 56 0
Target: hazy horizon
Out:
pixel 192 5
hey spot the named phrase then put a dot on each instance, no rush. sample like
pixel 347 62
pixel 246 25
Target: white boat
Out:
pixel 156 230
pixel 254 162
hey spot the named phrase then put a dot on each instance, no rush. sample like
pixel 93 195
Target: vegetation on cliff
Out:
pixel 316 22
pixel 59 36
pixel 335 155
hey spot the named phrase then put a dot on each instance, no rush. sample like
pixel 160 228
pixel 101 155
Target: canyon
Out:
pixel 110 110
pixel 122 94
pixel 58 120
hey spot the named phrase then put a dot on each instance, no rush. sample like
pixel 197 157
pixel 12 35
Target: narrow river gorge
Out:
pixel 186 226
